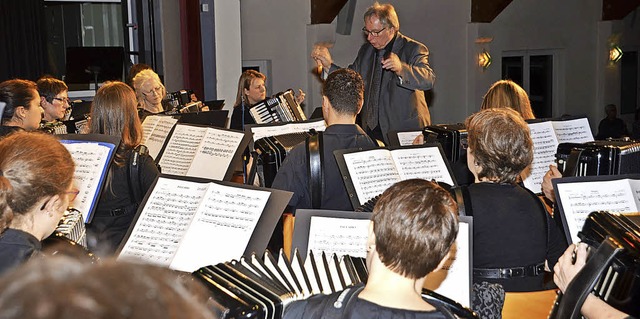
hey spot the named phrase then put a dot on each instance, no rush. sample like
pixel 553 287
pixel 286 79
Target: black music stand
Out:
pixel 216 118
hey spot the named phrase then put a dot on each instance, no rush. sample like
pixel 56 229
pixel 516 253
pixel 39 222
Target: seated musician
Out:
pixel 54 99
pixel 564 272
pixel 64 287
pixel 251 90
pixel 413 226
pixel 19 106
pixel 514 237
pixel 342 98
pixel 150 93
pixel 36 187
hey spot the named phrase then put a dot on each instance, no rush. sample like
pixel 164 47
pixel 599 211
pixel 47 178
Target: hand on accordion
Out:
pixel 569 264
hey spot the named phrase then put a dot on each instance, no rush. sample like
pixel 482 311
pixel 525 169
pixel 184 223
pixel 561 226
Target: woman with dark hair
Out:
pixel 413 226
pixel 54 98
pixel 515 241
pixel 113 112
pixel 20 106
pixel 36 186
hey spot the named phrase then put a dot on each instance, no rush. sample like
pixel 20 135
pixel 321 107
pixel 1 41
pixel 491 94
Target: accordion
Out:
pixel 612 272
pixel 280 108
pixel 72 226
pixel 452 137
pixel 263 287
pixel 273 150
pixel 598 158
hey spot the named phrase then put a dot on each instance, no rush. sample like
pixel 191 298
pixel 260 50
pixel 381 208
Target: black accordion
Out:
pixel 452 138
pixel 263 287
pixel 598 158
pixel 280 108
pixel 612 271
pixel 273 150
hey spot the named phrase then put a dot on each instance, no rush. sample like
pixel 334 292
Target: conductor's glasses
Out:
pixel 372 33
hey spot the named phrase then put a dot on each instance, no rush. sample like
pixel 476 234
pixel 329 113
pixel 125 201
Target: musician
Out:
pixel 54 98
pixel 150 93
pixel 508 94
pixel 413 226
pixel 512 229
pixel 21 110
pixel 63 287
pixel 251 90
pixel 36 187
pixel 396 71
pixel 113 112
pixel 566 269
pixel 342 97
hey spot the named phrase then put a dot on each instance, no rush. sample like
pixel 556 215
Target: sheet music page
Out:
pixel 580 199
pixel 154 140
pixel 225 220
pixel 453 280
pixel 545 145
pixel 340 236
pixel 213 157
pixel 372 172
pixel 425 163
pixel 181 149
pixel 294 127
pixel 635 188
pixel 164 221
pixel 573 131
pixel 90 159
pixel 406 138
pixel 148 125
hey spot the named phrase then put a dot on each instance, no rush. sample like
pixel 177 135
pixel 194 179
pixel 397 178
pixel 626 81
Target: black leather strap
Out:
pixel 573 162
pixel 315 156
pixel 506 273
pixel 461 194
pixel 582 284
pixel 133 174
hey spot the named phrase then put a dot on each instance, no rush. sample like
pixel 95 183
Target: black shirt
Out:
pixel 509 231
pixel 293 176
pixel 16 247
pixel 237 120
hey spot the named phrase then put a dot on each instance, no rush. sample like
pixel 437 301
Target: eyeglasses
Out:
pixel 373 33
pixel 155 91
pixel 63 100
pixel 74 194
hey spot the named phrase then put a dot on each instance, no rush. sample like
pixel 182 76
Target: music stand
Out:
pixel 217 118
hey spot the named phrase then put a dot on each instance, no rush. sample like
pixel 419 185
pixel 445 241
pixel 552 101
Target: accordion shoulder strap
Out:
pixel 315 160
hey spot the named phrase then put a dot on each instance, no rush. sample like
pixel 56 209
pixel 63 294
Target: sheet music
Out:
pixel 181 149
pixel 90 159
pixel 163 222
pixel 155 131
pixel 295 127
pixel 372 172
pixel 226 219
pixel 406 138
pixel 574 131
pixel 213 157
pixel 546 136
pixel 581 198
pixel 338 236
pixel 454 280
pixel 425 163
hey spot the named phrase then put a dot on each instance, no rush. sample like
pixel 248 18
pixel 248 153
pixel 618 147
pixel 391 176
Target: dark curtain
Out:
pixel 22 36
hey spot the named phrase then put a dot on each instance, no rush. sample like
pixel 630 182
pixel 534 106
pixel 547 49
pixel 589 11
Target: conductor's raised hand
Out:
pixel 322 56
pixel 392 63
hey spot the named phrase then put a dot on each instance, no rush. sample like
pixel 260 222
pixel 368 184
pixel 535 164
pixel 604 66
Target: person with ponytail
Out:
pixel 19 106
pixel 36 186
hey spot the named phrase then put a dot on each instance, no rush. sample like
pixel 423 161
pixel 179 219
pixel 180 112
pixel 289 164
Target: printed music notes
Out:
pixel 92 159
pixel 338 235
pixel 406 138
pixel 155 129
pixel 200 151
pixel 373 171
pixel 579 196
pixel 546 136
pixel 182 219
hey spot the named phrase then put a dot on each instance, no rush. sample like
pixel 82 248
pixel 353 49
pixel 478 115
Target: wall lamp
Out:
pixel 615 54
pixel 484 59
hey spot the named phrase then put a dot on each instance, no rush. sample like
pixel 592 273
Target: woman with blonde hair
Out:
pixel 113 112
pixel 36 186
pixel 150 92
pixel 506 93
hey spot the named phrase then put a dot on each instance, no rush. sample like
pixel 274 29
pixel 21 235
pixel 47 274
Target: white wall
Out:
pixel 279 30
pixel 171 47
pixel 228 49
